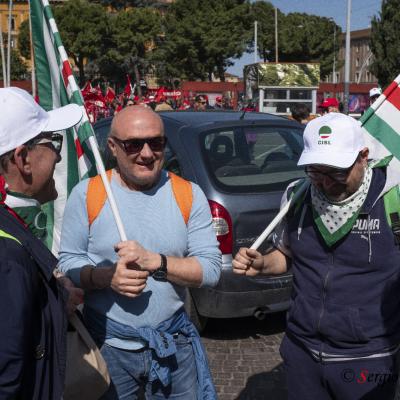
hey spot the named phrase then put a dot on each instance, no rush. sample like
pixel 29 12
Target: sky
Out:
pixel 361 13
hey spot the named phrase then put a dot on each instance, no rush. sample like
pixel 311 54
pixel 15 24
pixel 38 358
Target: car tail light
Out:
pixel 222 224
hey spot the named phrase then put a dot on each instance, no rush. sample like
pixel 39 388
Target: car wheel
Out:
pixel 198 320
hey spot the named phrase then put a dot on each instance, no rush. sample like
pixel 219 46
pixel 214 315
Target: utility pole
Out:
pixel 33 73
pixel 276 35
pixel 3 58
pixel 347 60
pixel 334 55
pixel 255 43
pixel 9 44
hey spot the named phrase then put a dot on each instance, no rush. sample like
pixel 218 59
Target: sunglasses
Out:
pixel 132 146
pixel 337 176
pixel 55 139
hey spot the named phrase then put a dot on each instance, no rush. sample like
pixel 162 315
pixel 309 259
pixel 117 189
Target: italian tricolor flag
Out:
pixel 382 123
pixel 57 87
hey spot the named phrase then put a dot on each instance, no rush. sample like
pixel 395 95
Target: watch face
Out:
pixel 160 275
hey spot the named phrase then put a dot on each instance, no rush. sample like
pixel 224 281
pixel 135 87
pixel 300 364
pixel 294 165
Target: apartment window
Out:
pixel 13 23
pixel 357 76
pixel 357 62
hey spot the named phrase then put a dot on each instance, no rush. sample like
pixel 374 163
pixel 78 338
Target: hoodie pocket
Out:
pixel 341 325
pixel 302 317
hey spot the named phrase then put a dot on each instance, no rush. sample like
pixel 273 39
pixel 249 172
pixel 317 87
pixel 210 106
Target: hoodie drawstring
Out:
pixel 301 221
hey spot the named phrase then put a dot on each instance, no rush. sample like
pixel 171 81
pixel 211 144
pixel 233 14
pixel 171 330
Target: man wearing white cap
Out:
pixel 374 93
pixel 32 306
pixel 343 329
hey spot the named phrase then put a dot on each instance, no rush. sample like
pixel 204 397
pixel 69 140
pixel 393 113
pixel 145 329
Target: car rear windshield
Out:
pixel 248 159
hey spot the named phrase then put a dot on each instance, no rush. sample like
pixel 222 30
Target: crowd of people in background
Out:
pixel 99 105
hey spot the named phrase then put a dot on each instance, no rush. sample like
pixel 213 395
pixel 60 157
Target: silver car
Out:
pixel 243 162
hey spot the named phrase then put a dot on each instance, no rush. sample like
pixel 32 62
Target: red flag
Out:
pixel 87 88
pixel 128 87
pixel 110 94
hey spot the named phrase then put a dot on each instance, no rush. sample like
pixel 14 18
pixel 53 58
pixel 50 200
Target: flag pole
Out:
pixel 33 77
pixel 3 58
pixel 269 229
pixel 9 44
pixel 71 85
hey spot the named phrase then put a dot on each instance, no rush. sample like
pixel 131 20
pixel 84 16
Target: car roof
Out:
pixel 197 119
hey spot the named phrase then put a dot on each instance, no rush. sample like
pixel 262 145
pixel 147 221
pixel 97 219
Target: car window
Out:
pixel 246 159
pixel 171 162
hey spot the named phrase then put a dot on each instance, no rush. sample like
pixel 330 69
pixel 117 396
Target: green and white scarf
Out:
pixel 30 211
pixel 334 220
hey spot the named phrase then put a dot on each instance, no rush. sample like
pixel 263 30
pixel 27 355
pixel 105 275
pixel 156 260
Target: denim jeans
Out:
pixel 129 373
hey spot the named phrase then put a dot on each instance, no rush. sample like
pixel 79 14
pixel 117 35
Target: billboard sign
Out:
pixel 290 75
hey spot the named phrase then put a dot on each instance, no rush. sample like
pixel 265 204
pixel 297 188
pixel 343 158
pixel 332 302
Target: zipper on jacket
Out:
pixel 324 287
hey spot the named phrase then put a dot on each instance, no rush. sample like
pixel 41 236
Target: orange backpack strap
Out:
pixel 183 194
pixel 96 196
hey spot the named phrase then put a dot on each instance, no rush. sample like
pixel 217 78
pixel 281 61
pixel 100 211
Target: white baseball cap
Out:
pixel 334 140
pixel 22 119
pixel 376 91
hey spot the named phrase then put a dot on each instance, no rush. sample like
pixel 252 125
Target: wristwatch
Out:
pixel 160 274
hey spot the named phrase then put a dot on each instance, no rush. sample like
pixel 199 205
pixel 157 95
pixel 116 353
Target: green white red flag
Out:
pixel 382 124
pixel 57 87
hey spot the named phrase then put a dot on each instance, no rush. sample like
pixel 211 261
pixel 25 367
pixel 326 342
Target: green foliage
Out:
pixel 309 38
pixel 301 37
pixel 263 13
pixel 385 42
pixel 24 44
pixel 84 29
pixel 133 34
pixel 124 4
pixel 18 67
pixel 201 36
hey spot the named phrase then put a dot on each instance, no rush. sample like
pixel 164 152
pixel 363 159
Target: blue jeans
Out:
pixel 129 373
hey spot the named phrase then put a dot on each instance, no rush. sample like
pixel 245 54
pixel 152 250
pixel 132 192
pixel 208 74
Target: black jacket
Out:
pixel 346 298
pixel 33 322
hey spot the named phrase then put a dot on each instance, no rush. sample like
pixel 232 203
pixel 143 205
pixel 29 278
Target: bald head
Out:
pixel 136 141
pixel 136 120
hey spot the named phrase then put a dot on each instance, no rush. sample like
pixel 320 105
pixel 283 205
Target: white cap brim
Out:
pixel 63 118
pixel 342 160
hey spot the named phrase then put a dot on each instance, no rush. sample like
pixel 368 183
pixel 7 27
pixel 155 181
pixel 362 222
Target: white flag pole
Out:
pixel 9 44
pixel 91 139
pixel 269 229
pixel 100 168
pixel 3 58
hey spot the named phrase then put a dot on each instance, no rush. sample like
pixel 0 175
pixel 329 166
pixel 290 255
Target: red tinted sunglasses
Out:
pixel 132 146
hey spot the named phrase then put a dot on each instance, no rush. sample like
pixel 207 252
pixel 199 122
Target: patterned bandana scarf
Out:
pixel 30 211
pixel 334 220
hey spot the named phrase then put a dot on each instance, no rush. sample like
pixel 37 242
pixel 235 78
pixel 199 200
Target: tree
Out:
pixel 301 37
pixel 134 33
pixel 125 4
pixel 385 42
pixel 24 43
pixel 17 65
pixel 263 12
pixel 85 31
pixel 308 38
pixel 201 36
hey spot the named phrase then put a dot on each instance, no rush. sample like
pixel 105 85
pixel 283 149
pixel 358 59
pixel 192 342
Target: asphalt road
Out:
pixel 244 357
